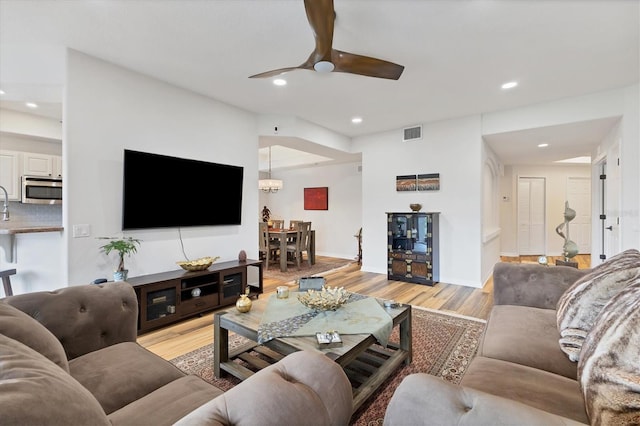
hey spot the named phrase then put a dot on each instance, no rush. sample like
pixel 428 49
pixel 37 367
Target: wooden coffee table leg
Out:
pixel 220 344
pixel 406 343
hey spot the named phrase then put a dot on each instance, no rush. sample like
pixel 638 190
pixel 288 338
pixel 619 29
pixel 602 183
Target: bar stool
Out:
pixel 6 281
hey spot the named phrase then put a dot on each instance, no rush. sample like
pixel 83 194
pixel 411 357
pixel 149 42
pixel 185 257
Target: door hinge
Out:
pixel 603 177
pixel 603 216
pixel 603 256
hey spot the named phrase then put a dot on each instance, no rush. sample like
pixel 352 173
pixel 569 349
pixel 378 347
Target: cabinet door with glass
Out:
pixel 412 247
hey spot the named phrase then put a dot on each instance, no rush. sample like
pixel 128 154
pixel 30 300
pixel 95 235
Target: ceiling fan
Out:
pixel 325 58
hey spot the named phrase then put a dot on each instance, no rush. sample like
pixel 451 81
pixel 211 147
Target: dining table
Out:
pixel 286 234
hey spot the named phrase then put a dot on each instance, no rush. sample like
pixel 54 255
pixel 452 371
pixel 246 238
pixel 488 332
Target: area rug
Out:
pixel 443 345
pixel 306 270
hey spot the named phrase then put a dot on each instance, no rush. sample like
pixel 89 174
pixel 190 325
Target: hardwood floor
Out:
pixel 181 338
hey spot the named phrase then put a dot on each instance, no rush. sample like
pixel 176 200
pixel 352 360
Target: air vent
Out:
pixel 412 133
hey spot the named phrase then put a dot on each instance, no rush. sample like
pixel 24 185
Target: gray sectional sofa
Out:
pixel 70 357
pixel 522 375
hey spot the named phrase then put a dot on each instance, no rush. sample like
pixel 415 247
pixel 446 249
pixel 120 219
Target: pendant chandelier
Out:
pixel 270 185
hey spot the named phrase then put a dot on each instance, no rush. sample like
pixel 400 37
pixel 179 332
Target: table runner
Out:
pixel 289 317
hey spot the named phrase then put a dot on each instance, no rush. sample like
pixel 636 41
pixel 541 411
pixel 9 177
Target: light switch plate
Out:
pixel 81 231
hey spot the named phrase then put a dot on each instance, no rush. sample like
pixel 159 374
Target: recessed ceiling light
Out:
pixel 356 120
pixel 510 85
pixel 280 82
pixel 543 145
pixel 31 104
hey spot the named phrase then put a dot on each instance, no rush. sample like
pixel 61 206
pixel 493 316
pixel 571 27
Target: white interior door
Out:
pixel 579 198
pixel 611 225
pixel 531 216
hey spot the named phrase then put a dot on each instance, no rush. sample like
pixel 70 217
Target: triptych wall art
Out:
pixel 422 182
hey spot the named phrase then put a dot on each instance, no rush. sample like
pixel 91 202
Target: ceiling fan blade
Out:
pixel 272 73
pixel 365 65
pixel 321 16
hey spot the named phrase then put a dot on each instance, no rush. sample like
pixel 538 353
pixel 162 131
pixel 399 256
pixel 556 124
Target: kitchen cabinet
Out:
pixel 57 166
pixel 412 247
pixel 36 164
pixel 10 164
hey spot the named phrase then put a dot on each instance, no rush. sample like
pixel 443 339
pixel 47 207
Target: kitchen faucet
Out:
pixel 5 209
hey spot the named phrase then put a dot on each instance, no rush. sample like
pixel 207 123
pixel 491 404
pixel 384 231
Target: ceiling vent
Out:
pixel 411 133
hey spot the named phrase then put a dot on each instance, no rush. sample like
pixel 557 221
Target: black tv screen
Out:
pixel 161 191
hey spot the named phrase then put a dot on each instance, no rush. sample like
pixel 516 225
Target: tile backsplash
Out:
pixel 34 214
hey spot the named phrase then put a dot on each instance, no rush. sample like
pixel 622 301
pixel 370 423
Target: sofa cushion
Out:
pixel 19 326
pixel 536 388
pixel 609 365
pixel 527 336
pixel 35 391
pixel 302 388
pixel 120 374
pixel 580 305
pixel 168 404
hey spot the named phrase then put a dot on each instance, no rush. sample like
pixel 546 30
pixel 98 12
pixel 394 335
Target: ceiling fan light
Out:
pixel 324 66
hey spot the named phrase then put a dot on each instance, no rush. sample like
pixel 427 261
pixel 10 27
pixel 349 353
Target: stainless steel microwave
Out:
pixel 41 190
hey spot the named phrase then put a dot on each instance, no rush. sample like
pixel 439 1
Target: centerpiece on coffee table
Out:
pixel 326 299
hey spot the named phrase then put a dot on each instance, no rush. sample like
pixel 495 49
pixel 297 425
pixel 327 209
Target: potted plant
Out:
pixel 124 246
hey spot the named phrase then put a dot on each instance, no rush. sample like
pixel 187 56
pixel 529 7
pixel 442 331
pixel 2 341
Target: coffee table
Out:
pixel 366 363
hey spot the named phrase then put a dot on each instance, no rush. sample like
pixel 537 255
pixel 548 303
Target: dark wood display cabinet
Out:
pixel 412 247
pixel 168 297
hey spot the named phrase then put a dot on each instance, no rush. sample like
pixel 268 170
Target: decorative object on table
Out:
pixel 391 304
pixel 243 304
pixel 124 246
pixel 569 249
pixel 196 292
pixel 282 292
pixel 415 207
pixel 266 214
pixel 328 339
pixel 429 182
pixel 198 264
pixel 311 283
pixel 327 299
pixel 316 198
pixel 542 260
pixel 242 256
pixel 406 183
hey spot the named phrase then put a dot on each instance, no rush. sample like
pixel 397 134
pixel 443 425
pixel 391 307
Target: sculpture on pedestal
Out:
pixel 569 249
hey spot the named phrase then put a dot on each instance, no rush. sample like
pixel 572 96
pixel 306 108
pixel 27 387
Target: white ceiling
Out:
pixel 456 55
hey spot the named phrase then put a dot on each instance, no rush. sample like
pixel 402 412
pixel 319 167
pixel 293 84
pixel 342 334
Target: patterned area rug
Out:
pixel 306 270
pixel 443 345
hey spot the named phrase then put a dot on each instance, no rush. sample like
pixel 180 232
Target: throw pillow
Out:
pixel 579 306
pixel 19 326
pixel 609 365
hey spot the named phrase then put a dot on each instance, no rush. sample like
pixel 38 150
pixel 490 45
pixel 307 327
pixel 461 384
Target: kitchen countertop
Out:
pixel 7 229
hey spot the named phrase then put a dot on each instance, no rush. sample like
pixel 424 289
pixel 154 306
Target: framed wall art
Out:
pixel 429 182
pixel 406 183
pixel 316 198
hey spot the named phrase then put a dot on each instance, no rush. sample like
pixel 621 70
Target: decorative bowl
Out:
pixel 415 207
pixel 198 264
pixel 327 299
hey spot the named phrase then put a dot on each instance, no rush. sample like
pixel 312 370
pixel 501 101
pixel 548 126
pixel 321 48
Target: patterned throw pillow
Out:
pixel 580 305
pixel 609 366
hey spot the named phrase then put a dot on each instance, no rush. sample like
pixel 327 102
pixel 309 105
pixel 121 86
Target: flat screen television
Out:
pixel 161 191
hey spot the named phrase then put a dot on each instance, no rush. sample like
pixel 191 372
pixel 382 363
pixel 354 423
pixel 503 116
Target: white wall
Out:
pixel 451 148
pixel 556 195
pixel 28 124
pixel 335 228
pixel 108 108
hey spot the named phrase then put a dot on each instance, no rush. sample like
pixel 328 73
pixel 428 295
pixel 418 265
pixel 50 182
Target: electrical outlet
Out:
pixel 81 231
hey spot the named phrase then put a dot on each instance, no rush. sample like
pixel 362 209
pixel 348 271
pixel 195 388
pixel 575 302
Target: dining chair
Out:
pixel 293 224
pixel 277 223
pixel 6 281
pixel 301 244
pixel 268 248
